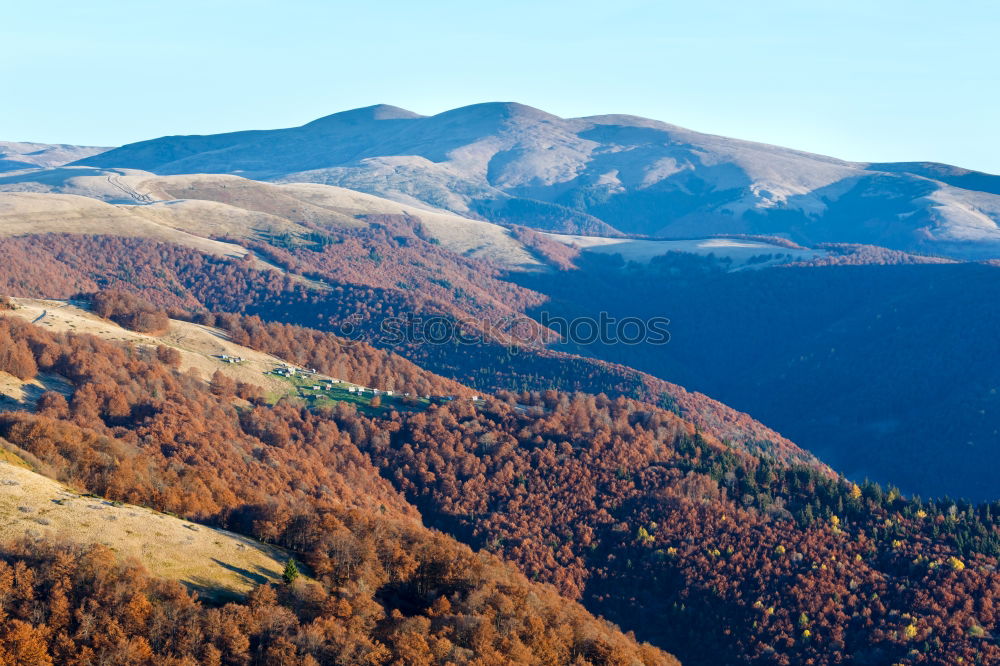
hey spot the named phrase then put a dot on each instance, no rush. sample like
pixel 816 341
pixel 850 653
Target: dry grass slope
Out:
pixel 23 213
pixel 217 563
pixel 188 209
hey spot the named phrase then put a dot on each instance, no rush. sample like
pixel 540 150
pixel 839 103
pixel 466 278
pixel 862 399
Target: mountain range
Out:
pixel 601 175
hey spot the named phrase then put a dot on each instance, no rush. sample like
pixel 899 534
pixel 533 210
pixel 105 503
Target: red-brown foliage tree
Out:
pixel 129 311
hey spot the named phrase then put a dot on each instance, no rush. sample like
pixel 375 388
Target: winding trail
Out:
pixel 116 181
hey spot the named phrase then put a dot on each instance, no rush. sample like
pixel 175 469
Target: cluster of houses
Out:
pixel 361 390
pixel 226 358
pixel 447 398
pixel 329 385
pixel 285 370
pixel 289 371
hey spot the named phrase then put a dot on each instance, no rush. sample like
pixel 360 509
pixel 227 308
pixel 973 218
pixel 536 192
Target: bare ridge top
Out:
pixel 367 113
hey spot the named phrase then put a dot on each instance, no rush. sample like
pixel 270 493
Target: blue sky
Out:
pixel 879 81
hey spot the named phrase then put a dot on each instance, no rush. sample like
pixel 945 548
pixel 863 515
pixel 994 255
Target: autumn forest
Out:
pixel 555 506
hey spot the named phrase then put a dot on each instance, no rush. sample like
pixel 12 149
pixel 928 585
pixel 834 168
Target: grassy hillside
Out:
pixel 214 562
pixel 200 348
pixel 196 210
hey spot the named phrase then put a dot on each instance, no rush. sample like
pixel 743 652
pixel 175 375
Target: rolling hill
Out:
pixel 16 155
pixel 601 175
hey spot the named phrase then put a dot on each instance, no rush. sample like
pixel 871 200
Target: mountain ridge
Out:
pixel 610 174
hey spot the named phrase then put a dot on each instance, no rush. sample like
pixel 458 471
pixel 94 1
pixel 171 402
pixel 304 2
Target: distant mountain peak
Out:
pixel 367 114
pixel 499 110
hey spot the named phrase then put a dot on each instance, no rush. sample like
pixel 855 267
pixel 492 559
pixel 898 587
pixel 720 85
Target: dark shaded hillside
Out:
pixel 883 371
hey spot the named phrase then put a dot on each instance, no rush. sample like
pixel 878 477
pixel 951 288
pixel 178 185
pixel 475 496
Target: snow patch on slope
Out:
pixel 743 254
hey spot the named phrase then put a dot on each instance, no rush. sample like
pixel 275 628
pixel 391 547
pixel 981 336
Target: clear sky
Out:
pixel 872 80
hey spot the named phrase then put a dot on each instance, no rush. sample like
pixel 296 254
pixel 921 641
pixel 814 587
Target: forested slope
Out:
pixel 387 589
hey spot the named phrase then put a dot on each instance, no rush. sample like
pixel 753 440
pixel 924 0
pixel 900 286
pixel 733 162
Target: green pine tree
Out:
pixel 291 571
